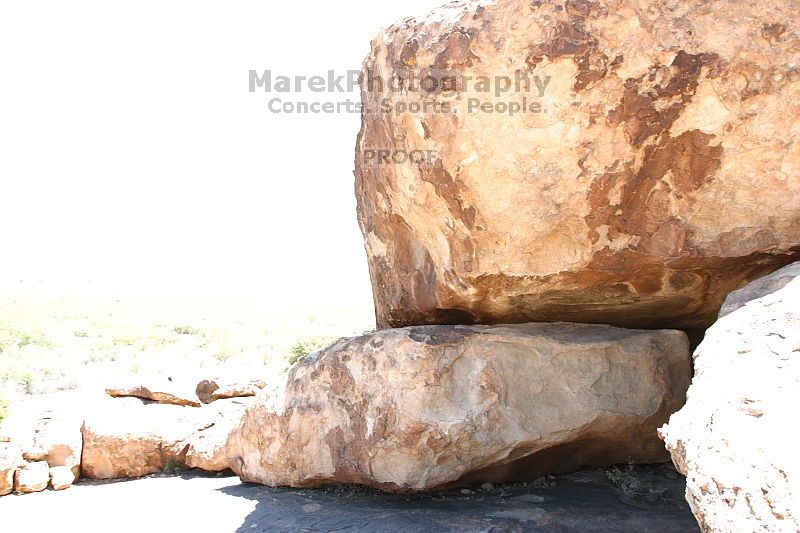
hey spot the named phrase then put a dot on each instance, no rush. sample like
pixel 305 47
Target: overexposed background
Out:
pixel 153 213
pixel 132 153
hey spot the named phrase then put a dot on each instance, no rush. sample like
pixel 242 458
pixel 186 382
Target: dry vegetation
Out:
pixel 55 339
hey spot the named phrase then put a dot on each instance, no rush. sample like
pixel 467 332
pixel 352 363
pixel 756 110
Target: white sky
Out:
pixel 132 153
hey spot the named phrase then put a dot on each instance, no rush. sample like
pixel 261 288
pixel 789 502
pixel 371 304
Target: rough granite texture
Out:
pixel 735 438
pixel 10 459
pixel 660 173
pixel 432 406
pixel 126 438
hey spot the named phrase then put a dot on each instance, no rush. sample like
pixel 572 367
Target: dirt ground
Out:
pixel 638 500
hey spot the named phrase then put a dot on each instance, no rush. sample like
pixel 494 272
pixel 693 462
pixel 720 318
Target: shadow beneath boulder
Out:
pixel 634 499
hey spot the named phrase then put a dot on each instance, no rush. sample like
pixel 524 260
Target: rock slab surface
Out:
pixel 164 391
pixel 430 406
pixel 735 440
pixel 126 438
pixel 57 440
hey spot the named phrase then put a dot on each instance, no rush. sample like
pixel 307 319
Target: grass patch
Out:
pixel 15 338
pixel 303 347
pixel 185 330
pixel 51 342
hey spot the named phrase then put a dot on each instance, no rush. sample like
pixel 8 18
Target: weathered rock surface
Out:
pixel 61 477
pixel 207 448
pixel 127 438
pixel 10 459
pixel 57 440
pixel 659 174
pixel 425 407
pixel 6 479
pixel 41 432
pixel 759 288
pixel 209 390
pixel 31 477
pixel 164 391
pixel 735 439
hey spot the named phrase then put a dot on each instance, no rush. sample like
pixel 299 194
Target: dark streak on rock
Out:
pixel 449 190
pixel 690 157
pixel 407 256
pixel 570 38
pixel 457 53
pixel 408 55
pixel 774 32
pixel 651 103
pixel 644 207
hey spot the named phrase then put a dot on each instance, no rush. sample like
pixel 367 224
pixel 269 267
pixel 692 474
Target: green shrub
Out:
pixel 3 409
pixel 174 467
pixel 624 480
pixel 303 347
pixel 627 483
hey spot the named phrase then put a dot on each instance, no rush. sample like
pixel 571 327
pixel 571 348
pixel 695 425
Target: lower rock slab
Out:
pixel 429 407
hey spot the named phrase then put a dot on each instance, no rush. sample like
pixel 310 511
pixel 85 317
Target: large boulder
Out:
pixel 429 406
pixel 734 439
pixel 653 171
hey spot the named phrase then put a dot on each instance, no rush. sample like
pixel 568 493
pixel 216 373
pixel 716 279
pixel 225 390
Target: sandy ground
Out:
pixel 583 502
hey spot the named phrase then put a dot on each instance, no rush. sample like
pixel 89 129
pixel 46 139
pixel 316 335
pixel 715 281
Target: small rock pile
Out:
pixel 48 454
pixel 141 429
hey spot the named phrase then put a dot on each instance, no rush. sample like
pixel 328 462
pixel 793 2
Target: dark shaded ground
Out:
pixel 583 502
pixel 640 499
